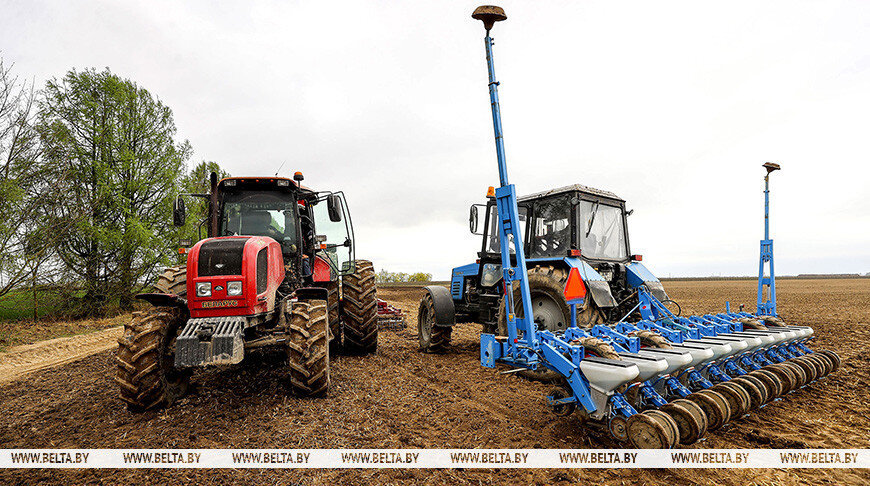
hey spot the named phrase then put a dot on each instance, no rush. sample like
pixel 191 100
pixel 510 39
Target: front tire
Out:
pixel 432 338
pixel 332 301
pixel 173 281
pixel 146 373
pixel 360 309
pixel 308 348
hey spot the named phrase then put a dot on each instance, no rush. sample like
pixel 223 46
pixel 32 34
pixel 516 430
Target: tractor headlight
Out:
pixel 203 289
pixel 234 288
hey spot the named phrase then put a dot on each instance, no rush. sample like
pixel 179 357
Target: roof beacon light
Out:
pixel 298 177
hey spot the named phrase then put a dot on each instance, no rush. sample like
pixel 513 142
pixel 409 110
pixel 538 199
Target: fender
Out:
pixel 311 293
pixel 163 300
pixel 445 313
pixel 321 271
pixel 595 283
pixel 637 275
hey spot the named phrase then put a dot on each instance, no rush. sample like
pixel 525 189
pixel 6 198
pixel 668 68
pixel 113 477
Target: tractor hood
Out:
pixel 233 276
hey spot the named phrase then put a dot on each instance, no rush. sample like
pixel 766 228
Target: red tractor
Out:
pixel 278 270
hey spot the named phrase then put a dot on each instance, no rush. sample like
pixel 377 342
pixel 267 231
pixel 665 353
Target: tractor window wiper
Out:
pixel 592 219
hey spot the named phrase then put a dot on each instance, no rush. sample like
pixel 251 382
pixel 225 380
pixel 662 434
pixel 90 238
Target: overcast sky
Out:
pixel 671 105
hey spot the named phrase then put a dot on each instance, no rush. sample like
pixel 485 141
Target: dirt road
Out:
pixel 20 360
pixel 400 398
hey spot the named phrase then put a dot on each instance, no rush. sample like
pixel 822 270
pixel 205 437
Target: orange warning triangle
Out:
pixel 574 288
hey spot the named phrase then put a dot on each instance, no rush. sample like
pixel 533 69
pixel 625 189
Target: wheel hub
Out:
pixel 548 314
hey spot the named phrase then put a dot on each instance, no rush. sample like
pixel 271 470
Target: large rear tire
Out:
pixel 172 281
pixel 308 348
pixel 551 311
pixel 360 309
pixel 146 373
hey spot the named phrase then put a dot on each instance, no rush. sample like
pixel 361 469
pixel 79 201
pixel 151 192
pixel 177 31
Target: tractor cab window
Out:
pixel 552 227
pixel 491 236
pixel 601 231
pixel 334 239
pixel 262 213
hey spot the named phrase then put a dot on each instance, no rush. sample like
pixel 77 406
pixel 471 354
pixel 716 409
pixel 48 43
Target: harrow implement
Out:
pixel 390 317
pixel 655 378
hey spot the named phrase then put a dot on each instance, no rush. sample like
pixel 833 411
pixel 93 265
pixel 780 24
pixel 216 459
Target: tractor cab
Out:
pixel 572 227
pixel 313 228
pixel 570 221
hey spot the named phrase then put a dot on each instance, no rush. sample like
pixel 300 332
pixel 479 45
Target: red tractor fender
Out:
pixel 321 271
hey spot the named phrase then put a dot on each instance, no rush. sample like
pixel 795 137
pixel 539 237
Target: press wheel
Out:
pixel 820 364
pixel 785 377
pixel 715 407
pixel 798 372
pixel 756 397
pixel 646 432
pixel 834 357
pixel 747 400
pixel 618 427
pixel 699 415
pixel 824 361
pixel 771 382
pixel 737 400
pixel 671 427
pixel 807 367
pixel 762 387
pixel 832 364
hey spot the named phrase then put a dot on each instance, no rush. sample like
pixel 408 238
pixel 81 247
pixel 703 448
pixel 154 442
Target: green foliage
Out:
pixel 398 277
pixel 197 182
pixel 115 165
pixel 23 247
pixel 19 304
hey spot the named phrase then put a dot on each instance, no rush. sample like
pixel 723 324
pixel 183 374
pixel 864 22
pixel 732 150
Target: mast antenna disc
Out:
pixel 489 15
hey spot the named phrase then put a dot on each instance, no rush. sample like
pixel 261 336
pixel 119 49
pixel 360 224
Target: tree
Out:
pixel 112 153
pixel 23 248
pixel 398 277
pixel 420 277
pixel 197 182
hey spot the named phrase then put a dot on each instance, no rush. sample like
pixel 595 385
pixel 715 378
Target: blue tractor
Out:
pixel 562 298
pixel 573 228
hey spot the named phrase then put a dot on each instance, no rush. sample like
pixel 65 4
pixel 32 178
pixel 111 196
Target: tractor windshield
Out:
pixel 260 213
pixel 601 231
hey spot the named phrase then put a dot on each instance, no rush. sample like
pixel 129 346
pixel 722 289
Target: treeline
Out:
pixel 397 277
pixel 89 165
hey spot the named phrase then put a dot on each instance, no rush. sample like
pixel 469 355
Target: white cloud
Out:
pixel 672 105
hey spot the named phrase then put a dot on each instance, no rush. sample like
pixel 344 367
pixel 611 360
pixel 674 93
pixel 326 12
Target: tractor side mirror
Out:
pixel 179 215
pixel 474 219
pixel 333 207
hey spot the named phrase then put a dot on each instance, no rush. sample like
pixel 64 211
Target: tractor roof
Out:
pixel 264 181
pixel 572 188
